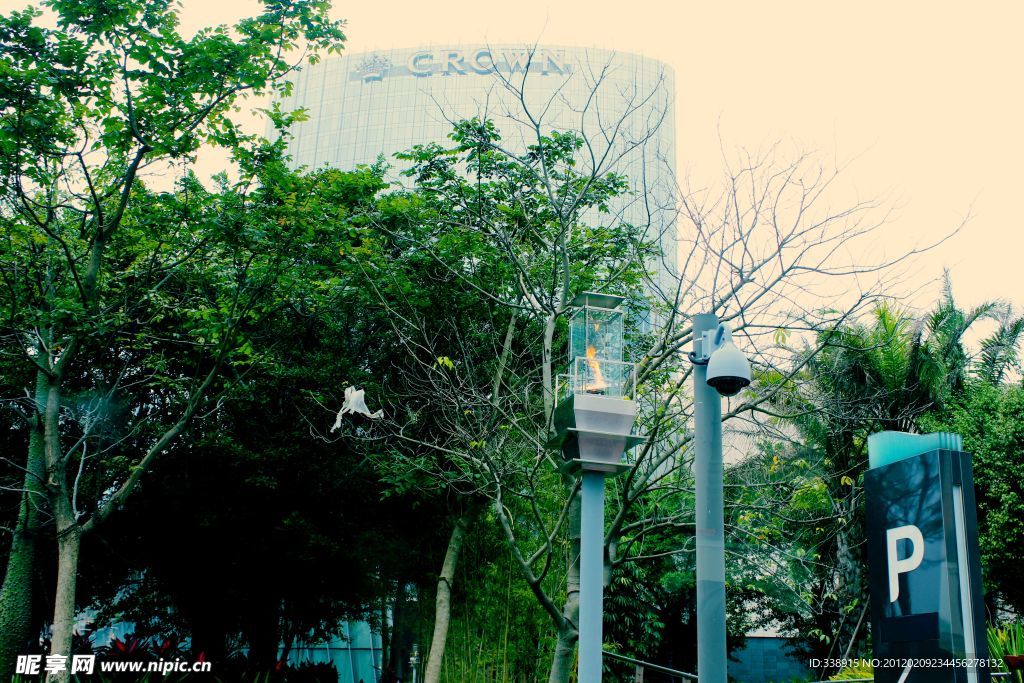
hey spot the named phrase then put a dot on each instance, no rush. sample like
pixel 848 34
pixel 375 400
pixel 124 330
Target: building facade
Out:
pixel 364 106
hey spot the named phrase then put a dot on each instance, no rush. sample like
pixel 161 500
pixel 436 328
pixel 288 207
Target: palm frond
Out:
pixel 1000 352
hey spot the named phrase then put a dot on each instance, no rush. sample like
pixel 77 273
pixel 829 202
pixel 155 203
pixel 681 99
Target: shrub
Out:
pixel 862 669
pixel 1006 640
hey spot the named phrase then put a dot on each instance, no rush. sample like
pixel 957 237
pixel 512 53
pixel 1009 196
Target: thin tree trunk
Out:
pixel 68 545
pixel 396 665
pixel 385 633
pixel 443 601
pixel 849 583
pixel 546 375
pixel 289 642
pixel 568 632
pixel 508 623
pixel 561 663
pixel 262 631
pixel 16 596
pixel 69 534
pixel 856 629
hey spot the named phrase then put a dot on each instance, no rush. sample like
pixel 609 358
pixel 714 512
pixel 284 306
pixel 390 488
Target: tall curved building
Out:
pixel 364 105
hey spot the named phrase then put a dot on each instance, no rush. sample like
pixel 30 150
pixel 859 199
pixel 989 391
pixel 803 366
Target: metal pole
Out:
pixel 591 575
pixel 707 415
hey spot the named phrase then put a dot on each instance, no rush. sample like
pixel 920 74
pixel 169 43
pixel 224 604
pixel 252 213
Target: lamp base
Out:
pixel 577 465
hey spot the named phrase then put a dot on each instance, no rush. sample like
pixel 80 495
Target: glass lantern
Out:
pixel 596 348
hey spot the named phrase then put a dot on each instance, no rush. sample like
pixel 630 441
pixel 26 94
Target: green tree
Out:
pixel 989 419
pixel 466 286
pixel 272 506
pixel 87 107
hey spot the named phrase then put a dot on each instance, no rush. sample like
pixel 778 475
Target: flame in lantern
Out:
pixel 597 385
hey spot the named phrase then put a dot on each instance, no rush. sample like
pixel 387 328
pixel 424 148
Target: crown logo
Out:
pixel 373 68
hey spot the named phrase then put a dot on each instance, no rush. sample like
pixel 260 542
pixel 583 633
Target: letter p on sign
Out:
pixel 910 563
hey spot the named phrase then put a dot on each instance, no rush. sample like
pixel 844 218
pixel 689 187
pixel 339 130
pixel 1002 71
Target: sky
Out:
pixel 921 99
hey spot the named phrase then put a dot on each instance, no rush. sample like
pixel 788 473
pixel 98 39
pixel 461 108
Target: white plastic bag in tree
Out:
pixel 355 402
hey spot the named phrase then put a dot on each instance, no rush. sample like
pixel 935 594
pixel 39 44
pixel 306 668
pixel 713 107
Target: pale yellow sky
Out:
pixel 925 97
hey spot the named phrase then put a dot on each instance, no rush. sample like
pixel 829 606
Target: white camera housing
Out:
pixel 728 369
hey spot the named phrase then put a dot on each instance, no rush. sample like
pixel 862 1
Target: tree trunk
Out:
pixel 385 632
pixel 262 632
pixel 850 588
pixel 568 631
pixel 69 534
pixel 396 662
pixel 16 596
pixel 565 646
pixel 68 544
pixel 289 642
pixel 443 600
pixel 208 627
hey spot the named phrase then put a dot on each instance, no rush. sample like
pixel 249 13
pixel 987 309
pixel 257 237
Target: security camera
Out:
pixel 728 369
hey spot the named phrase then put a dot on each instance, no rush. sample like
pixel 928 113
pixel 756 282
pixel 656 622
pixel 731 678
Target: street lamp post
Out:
pixel 719 370
pixel 593 424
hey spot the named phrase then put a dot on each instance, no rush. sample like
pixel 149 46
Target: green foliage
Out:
pixel 260 489
pixel 136 306
pixel 1000 352
pixel 108 280
pixel 73 86
pixel 989 419
pixel 1006 640
pixel 633 602
pixel 521 215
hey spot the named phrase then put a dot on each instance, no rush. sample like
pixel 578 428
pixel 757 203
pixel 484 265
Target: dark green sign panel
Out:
pixel 927 615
